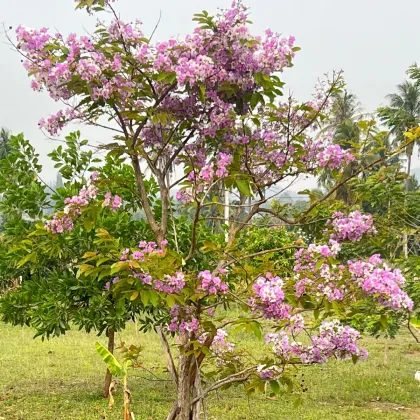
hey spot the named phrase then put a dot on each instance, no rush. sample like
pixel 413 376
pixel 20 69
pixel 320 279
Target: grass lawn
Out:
pixel 62 379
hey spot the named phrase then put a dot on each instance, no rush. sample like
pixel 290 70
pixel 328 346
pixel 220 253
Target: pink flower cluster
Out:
pixel 54 123
pixel 381 282
pixel 296 324
pixel 183 321
pixel 268 372
pixel 130 33
pixel 212 284
pixel 112 202
pixel 108 284
pixel 144 249
pixel 269 297
pixel 351 227
pixel 334 157
pixel 306 259
pixel 231 56
pixel 220 345
pixel 334 281
pixel 324 281
pixel 171 284
pixel 223 161
pixel 61 223
pixel 205 175
pixel 220 348
pixel 334 340
pixel 64 222
pixel 184 196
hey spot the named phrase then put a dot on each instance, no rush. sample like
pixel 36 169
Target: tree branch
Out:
pixel 236 377
pixel 194 233
pixel 168 355
pixel 256 254
pixel 145 201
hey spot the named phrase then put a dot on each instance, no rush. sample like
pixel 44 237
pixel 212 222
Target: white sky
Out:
pixel 373 41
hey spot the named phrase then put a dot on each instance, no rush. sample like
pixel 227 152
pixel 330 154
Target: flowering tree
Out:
pixel 211 106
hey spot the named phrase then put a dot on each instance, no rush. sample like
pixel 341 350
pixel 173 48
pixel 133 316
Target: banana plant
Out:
pixel 119 371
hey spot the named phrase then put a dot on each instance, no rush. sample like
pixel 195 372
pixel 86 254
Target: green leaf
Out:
pixel 89 254
pixel 102 260
pixel 134 295
pixel 244 187
pixel 384 322
pixel 415 322
pixel 202 92
pixel 111 362
pixel 85 268
pixel 256 328
pixel 118 266
pixel 319 264
pixel 145 296
pixel 275 387
pixel 154 298
pixel 170 300
pixel 27 258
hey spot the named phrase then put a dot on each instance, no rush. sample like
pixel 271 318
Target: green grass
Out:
pixel 62 379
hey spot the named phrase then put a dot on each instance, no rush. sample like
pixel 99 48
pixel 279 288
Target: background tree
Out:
pixel 4 143
pixel 402 114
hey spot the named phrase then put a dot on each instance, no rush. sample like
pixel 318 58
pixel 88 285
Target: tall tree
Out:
pixel 350 131
pixel 402 114
pixel 346 107
pixel 4 143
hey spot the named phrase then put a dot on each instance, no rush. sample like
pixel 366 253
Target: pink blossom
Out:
pixel 212 284
pixel 269 297
pixel 351 228
pixel 334 340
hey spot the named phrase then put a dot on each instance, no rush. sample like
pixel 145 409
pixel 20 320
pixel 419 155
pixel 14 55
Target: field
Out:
pixel 61 379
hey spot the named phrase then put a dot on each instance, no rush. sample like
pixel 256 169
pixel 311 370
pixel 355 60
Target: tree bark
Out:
pixel 108 376
pixel 198 400
pixel 145 201
pixel 386 348
pixel 184 384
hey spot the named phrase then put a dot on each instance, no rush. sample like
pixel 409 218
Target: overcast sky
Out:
pixel 373 41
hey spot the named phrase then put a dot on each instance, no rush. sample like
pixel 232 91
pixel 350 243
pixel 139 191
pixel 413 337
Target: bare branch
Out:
pixel 236 377
pixel 168 355
pixel 267 251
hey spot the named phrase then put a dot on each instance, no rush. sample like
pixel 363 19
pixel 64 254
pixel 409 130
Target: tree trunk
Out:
pixel 184 400
pixel 108 376
pixel 407 184
pixel 226 212
pixel 198 393
pixel 182 408
pixel 386 348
